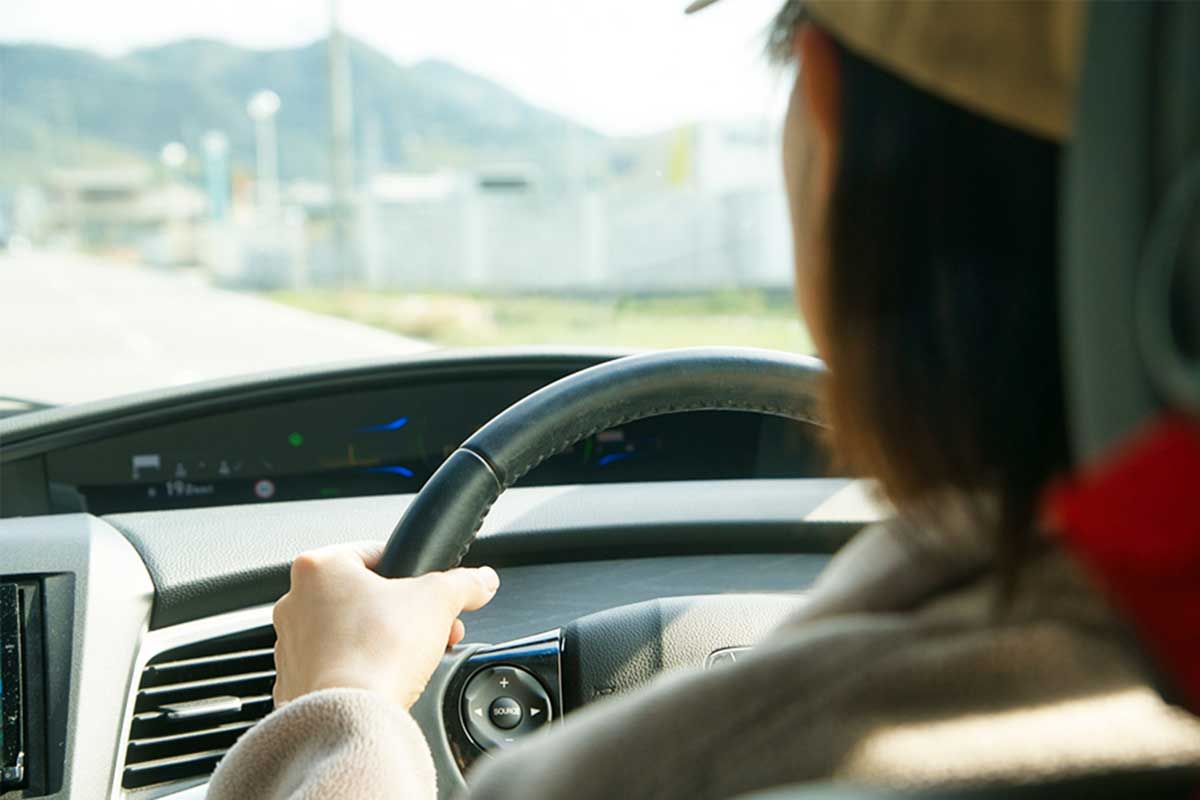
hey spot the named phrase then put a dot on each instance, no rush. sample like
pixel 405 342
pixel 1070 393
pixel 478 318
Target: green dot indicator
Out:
pixel 295 439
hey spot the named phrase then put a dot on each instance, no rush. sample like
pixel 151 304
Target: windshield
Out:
pixel 190 191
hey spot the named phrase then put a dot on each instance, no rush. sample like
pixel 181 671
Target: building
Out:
pixel 700 210
pixel 123 209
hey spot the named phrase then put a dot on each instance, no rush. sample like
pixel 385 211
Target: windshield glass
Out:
pixel 190 191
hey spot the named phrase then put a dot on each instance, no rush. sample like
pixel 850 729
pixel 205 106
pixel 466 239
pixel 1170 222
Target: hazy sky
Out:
pixel 622 66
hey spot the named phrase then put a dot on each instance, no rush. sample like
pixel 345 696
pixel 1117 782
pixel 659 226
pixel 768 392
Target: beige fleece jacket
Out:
pixel 895 672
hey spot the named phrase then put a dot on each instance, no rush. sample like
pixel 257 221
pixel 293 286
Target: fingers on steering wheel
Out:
pixel 323 561
pixel 369 552
pixel 278 693
pixel 457 632
pixel 464 588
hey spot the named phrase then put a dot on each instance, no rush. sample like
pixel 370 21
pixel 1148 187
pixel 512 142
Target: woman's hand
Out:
pixel 343 626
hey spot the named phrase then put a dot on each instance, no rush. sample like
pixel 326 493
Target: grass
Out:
pixel 752 318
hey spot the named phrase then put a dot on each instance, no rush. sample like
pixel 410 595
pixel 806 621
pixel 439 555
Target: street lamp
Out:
pixel 173 156
pixel 262 108
pixel 216 173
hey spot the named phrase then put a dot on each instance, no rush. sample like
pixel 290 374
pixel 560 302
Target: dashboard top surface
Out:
pixel 208 561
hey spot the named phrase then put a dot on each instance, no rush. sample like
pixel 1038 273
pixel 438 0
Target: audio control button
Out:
pixel 501 704
pixel 506 713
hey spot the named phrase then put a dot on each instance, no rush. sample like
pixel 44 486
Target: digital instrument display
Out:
pixel 389 441
pixel 12 711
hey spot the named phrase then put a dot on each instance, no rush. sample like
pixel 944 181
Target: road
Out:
pixel 74 328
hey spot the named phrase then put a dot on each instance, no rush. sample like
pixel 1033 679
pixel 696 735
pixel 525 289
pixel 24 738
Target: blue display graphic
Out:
pixel 391 469
pixel 394 425
pixel 394 470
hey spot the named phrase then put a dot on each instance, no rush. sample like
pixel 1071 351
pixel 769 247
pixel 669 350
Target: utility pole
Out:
pixel 262 108
pixel 341 163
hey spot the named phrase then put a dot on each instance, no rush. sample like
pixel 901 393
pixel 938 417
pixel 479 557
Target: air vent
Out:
pixel 193 703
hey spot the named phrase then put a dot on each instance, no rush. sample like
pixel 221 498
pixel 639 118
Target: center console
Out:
pixel 75 602
pixel 12 686
pixel 34 681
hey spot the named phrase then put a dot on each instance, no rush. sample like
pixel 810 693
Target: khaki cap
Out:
pixel 1015 61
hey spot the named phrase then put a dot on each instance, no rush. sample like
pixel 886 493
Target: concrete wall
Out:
pixel 628 240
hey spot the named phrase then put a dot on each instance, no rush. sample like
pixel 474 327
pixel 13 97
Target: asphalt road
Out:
pixel 74 329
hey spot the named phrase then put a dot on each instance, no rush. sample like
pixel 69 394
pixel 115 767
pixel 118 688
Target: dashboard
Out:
pixel 151 533
pixel 386 440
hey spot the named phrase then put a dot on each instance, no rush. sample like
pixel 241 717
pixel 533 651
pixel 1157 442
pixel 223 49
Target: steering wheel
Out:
pixel 493 696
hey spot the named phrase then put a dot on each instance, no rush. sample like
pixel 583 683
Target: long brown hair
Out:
pixel 943 303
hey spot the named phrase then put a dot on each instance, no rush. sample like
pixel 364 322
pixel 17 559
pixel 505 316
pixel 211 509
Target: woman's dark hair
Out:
pixel 942 303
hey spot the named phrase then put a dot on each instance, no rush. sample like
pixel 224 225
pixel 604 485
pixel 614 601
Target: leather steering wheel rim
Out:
pixel 441 523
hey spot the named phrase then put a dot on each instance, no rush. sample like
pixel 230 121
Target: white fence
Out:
pixel 611 240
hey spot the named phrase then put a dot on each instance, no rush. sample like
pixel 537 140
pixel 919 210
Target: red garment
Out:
pixel 1134 521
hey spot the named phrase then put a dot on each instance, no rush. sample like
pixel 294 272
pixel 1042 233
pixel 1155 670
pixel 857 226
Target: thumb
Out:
pixel 468 589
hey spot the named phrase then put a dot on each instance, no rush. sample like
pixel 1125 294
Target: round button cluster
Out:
pixel 501 704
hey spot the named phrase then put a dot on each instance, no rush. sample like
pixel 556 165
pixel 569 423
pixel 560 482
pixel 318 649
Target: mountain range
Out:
pixel 63 107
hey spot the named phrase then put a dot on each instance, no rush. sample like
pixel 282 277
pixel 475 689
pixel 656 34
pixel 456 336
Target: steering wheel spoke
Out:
pixel 499 694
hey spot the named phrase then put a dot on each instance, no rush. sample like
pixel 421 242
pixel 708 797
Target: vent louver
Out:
pixel 193 703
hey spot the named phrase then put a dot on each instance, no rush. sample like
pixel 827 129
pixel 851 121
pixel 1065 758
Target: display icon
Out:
pixel 264 489
pixel 145 461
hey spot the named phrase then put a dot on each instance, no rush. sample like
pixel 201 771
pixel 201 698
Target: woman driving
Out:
pixel 956 643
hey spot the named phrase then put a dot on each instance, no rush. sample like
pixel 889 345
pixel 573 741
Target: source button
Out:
pixel 506 713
